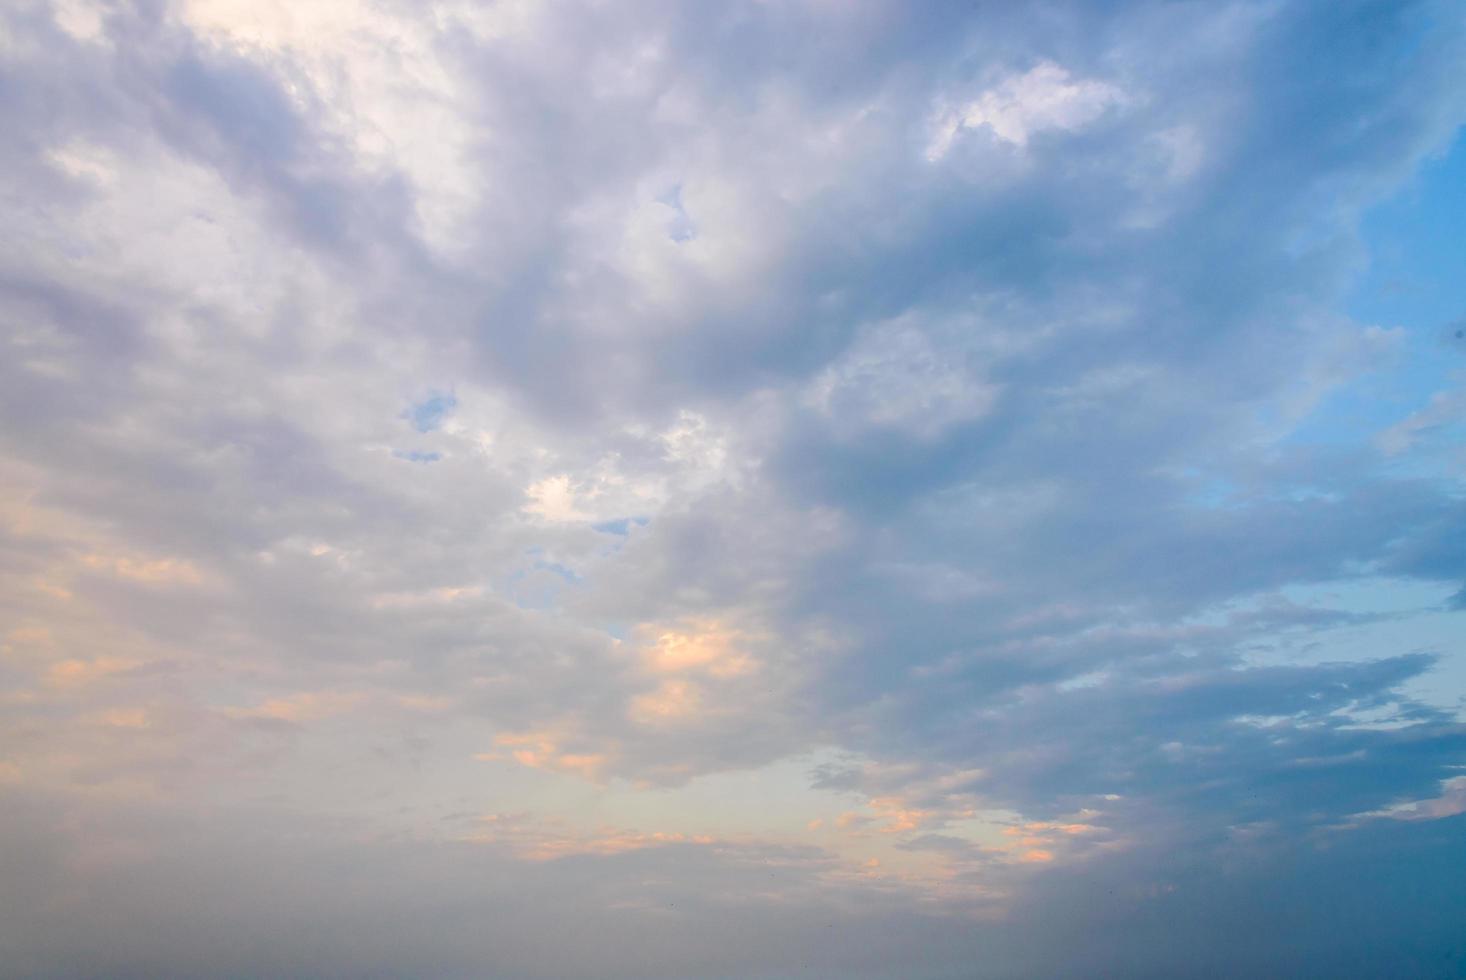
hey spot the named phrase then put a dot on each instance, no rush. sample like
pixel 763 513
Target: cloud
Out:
pixel 1042 98
pixel 921 395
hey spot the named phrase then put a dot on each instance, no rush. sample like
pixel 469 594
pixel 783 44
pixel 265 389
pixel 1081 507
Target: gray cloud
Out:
pixel 929 375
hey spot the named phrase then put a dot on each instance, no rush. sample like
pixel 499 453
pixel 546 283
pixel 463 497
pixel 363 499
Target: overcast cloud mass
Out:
pixel 755 489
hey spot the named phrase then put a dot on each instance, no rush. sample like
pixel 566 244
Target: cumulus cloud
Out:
pixel 1042 98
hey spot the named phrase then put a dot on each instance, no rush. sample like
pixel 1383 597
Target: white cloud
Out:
pixel 1046 97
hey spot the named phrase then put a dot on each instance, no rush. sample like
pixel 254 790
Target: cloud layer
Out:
pixel 787 489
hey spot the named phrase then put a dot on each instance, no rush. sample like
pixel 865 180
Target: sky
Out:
pixel 766 489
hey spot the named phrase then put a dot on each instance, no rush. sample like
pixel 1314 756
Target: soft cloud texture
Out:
pixel 764 489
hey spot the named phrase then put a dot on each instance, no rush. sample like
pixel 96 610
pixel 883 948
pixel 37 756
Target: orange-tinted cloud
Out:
pixel 305 706
pixel 671 701
pixel 706 646
pixel 539 750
